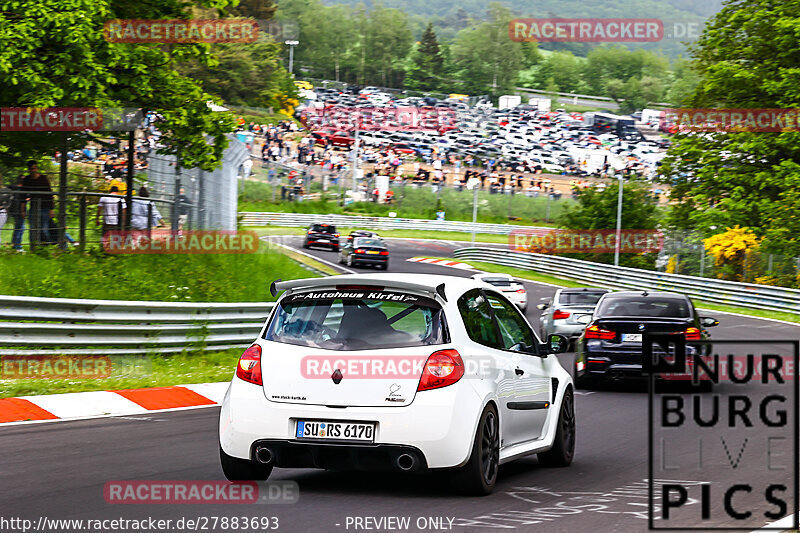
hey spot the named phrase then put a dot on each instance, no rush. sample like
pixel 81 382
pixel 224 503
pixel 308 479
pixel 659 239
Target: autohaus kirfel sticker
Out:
pixel 724 412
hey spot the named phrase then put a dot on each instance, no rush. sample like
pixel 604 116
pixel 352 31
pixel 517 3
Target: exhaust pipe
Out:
pixel 405 462
pixel 264 455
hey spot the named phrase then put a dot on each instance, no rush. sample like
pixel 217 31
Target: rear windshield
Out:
pixel 357 321
pixel 369 242
pixel 498 282
pixel 650 307
pixel 579 298
pixel 323 228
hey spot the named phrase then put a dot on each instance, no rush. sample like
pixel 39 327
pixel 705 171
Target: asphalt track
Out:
pixel 59 470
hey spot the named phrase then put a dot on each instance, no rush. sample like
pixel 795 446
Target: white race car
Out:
pixel 511 288
pixel 403 372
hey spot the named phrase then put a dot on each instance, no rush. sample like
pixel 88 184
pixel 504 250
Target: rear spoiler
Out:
pixel 314 283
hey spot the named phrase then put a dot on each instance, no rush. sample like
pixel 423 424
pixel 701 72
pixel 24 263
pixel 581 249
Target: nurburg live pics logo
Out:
pixel 746 435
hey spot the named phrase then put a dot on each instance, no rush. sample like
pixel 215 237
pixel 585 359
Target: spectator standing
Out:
pixel 182 208
pixel 110 208
pixel 140 210
pixel 42 205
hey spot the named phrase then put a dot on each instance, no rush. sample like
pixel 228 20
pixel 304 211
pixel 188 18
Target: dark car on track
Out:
pixel 365 251
pixel 610 348
pixel 322 235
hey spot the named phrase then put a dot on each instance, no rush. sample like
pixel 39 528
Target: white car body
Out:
pixel 436 428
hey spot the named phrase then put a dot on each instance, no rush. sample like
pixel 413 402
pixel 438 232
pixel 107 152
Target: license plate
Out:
pixel 372 252
pixel 631 337
pixel 327 430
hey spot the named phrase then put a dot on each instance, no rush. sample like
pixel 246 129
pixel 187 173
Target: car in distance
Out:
pixel 511 288
pixel 365 251
pixel 483 390
pixel 610 347
pixel 322 235
pixel 362 233
pixel 562 314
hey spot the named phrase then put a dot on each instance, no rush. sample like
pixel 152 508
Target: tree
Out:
pixel 486 61
pixel 597 210
pixel 426 63
pixel 731 250
pixel 54 54
pixel 747 57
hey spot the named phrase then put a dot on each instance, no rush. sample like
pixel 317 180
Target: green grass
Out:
pixel 156 371
pixel 545 278
pixel 173 277
pixel 417 203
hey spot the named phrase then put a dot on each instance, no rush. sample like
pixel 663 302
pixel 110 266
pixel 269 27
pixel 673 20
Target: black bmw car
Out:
pixel 322 235
pixel 610 347
pixel 365 251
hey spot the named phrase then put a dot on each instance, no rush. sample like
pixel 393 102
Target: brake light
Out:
pixel 596 332
pixel 442 368
pixel 358 288
pixel 310 232
pixel 558 315
pixel 521 291
pixel 249 368
pixel 692 334
pixel 358 251
pixel 384 253
pixel 335 234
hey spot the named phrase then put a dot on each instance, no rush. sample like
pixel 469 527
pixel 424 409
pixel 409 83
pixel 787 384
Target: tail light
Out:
pixel 442 368
pixel 335 234
pixel 596 332
pixel 522 291
pixel 310 232
pixel 384 253
pixel 358 251
pixel 692 334
pixel 249 368
pixel 558 315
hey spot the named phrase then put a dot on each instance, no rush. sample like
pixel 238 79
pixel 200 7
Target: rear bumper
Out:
pixel 370 259
pixel 319 241
pixel 371 457
pixel 628 365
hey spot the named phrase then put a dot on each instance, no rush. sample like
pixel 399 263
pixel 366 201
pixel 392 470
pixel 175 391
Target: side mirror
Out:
pixel 584 319
pixel 708 321
pixel 556 344
pixel 542 306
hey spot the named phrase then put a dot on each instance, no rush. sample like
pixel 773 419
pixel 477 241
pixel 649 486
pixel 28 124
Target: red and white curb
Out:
pixel 77 405
pixel 440 262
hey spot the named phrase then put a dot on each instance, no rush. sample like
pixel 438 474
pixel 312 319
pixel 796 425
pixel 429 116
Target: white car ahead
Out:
pixel 400 372
pixel 511 288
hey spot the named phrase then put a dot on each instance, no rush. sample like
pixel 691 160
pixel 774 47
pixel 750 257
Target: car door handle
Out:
pixel 519 371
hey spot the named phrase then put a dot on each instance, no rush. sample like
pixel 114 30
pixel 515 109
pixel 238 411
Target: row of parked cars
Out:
pixel 550 140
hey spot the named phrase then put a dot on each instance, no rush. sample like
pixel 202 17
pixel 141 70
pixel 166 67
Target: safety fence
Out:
pixel 74 326
pixel 608 276
pixel 376 223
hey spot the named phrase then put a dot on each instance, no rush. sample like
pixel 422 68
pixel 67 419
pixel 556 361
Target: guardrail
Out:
pixel 376 223
pixel 123 327
pixel 611 277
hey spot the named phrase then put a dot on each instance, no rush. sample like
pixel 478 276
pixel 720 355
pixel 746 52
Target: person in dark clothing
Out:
pixel 42 206
pixel 17 212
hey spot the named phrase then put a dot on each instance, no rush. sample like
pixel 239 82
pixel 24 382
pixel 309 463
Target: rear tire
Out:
pixel 563 449
pixel 306 245
pixel 236 469
pixel 479 475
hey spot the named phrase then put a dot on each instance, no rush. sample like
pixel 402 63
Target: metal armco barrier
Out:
pixel 122 327
pixel 376 223
pixel 611 277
